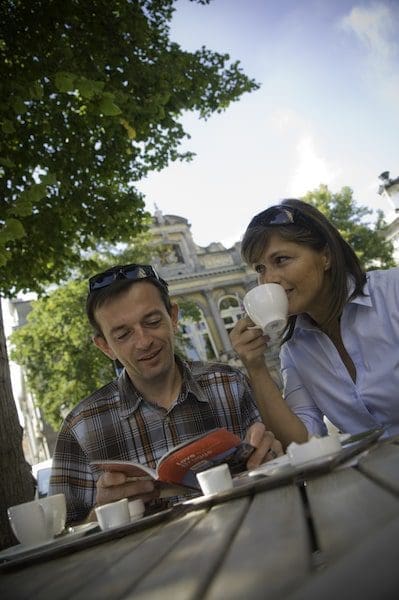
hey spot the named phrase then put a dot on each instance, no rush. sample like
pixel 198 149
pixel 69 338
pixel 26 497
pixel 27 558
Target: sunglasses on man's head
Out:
pixel 133 272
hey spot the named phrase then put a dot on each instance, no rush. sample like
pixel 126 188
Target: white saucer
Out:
pixel 77 531
pixel 271 467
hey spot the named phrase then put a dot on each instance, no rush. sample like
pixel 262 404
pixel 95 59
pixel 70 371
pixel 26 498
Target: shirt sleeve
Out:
pixel 71 475
pixel 300 401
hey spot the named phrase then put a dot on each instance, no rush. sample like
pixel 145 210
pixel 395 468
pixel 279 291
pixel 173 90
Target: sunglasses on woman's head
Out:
pixel 132 272
pixel 277 215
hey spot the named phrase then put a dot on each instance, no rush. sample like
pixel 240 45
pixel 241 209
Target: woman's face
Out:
pixel 300 270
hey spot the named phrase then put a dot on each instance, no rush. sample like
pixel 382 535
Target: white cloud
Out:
pixel 374 26
pixel 311 170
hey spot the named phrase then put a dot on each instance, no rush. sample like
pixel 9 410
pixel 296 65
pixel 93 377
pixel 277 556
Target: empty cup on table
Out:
pixel 267 306
pixel 31 523
pixel 114 514
pixel 217 479
pixel 136 509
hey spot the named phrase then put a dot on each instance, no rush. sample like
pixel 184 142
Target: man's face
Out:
pixel 139 332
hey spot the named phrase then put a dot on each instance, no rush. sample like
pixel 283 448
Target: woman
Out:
pixel 340 352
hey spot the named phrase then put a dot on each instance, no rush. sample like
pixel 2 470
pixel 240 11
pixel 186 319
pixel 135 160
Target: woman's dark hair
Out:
pixel 98 297
pixel 308 226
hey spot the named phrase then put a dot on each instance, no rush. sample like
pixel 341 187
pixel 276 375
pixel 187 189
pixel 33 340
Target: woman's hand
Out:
pixel 249 343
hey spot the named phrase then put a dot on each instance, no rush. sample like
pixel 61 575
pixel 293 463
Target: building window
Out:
pixel 198 343
pixel 230 310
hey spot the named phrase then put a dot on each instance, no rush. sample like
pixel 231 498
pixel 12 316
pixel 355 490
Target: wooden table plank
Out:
pixel 67 576
pixel 346 508
pixel 185 571
pixel 271 551
pixel 64 576
pixel 382 465
pixel 67 545
pixel 122 575
pixel 369 572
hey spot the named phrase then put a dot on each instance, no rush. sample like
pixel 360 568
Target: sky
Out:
pixel 327 110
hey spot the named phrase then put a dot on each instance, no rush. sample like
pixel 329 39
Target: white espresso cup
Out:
pixel 39 520
pixel 267 306
pixel 216 479
pixel 114 514
pixel 30 523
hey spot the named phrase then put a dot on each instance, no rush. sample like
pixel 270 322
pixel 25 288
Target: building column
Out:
pixel 218 322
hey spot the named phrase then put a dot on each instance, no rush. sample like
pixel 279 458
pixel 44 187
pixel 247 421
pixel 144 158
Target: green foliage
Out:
pixel 373 250
pixel 91 96
pixel 62 364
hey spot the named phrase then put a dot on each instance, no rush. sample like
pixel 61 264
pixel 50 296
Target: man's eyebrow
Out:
pixel 153 313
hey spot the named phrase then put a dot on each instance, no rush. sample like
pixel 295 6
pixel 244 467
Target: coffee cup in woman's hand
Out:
pixel 267 306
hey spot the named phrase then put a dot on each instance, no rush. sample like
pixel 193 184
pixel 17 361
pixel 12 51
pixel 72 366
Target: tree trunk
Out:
pixel 16 481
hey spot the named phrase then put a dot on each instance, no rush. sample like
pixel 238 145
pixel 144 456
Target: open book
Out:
pixel 180 464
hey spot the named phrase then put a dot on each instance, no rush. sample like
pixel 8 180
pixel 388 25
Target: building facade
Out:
pixel 214 278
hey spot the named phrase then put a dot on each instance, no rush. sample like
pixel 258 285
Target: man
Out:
pixel 157 401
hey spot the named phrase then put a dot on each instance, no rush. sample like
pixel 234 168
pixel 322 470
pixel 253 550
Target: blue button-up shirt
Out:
pixel 316 381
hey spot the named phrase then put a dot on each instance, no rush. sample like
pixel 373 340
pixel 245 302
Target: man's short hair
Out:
pixel 115 282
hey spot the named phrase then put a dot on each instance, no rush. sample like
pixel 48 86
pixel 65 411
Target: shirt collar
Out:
pixel 190 373
pixel 131 398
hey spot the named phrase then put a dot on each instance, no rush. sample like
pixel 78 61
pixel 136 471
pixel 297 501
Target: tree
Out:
pixel 12 489
pixel 91 96
pixel 368 241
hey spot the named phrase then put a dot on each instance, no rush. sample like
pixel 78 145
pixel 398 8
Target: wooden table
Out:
pixel 314 534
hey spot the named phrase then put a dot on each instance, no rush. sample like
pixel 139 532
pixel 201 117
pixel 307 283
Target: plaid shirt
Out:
pixel 117 423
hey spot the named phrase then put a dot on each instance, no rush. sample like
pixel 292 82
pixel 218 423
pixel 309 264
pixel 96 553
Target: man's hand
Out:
pixel 113 486
pixel 265 444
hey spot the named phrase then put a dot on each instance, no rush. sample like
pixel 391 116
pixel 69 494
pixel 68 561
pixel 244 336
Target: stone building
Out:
pixel 214 278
